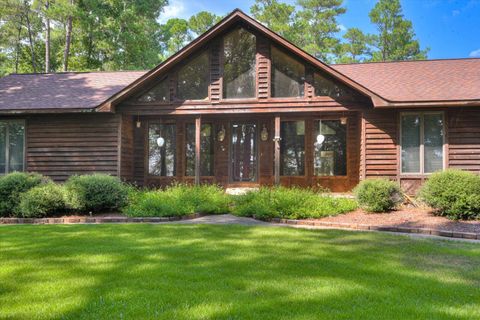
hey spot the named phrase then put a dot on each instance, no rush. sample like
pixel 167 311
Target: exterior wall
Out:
pixel 59 146
pixel 464 139
pixel 126 147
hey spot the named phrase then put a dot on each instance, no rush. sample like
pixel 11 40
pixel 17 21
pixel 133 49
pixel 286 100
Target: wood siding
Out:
pixel 126 147
pixel 464 139
pixel 63 145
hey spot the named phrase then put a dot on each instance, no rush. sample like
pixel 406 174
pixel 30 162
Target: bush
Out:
pixel 12 185
pixel 178 200
pixel 378 195
pixel 290 203
pixel 42 200
pixel 96 193
pixel 453 193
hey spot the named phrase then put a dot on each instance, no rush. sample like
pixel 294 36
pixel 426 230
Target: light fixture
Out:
pixel 320 139
pixel 264 133
pixel 221 134
pixel 139 124
pixel 160 141
pixel 343 120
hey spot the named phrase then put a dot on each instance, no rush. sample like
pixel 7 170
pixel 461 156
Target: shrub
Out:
pixel 12 185
pixel 453 193
pixel 178 200
pixel 290 203
pixel 96 192
pixel 378 195
pixel 42 200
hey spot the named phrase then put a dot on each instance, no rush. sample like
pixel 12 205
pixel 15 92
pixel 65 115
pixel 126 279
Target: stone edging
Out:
pixel 357 226
pixel 93 220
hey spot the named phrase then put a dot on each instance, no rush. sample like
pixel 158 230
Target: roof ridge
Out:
pixel 403 61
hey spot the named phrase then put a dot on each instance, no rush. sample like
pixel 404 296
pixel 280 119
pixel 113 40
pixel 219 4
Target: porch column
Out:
pixel 198 128
pixel 276 139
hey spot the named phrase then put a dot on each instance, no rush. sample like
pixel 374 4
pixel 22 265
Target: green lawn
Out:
pixel 232 272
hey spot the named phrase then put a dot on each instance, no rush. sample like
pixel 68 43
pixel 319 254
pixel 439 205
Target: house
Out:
pixel 241 106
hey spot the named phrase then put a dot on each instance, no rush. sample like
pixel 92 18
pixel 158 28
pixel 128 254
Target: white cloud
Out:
pixel 456 13
pixel 176 9
pixel 475 54
pixel 342 27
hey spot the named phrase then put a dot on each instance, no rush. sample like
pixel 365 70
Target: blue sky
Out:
pixel 450 28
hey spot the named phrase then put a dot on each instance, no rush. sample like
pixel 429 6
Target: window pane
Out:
pixel 244 151
pixel 330 148
pixel 162 155
pixel 3 141
pixel 433 142
pixel 239 64
pixel 16 132
pixel 327 87
pixel 193 79
pixel 288 75
pixel 206 150
pixel 159 93
pixel 411 143
pixel 292 148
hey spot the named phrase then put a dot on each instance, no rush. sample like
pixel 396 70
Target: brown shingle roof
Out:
pixel 418 81
pixel 61 90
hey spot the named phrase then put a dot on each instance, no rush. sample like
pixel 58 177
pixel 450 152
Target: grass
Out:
pixel 232 272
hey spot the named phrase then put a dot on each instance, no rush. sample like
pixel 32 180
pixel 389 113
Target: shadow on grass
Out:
pixel 232 272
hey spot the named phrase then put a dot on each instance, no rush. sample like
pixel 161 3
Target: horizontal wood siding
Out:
pixel 464 139
pixel 126 149
pixel 59 146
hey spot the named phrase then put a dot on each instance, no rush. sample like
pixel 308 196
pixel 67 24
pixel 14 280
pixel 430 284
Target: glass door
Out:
pixel 244 152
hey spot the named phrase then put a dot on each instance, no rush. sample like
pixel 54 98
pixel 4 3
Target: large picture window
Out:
pixel 292 148
pixel 288 75
pixel 162 150
pixel 239 49
pixel 206 150
pixel 12 145
pixel 158 93
pixel 422 139
pixel 330 148
pixel 193 79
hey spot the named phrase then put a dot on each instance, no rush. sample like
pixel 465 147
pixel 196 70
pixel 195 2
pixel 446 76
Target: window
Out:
pixel 159 93
pixel 330 148
pixel 206 150
pixel 288 75
pixel 422 142
pixel 193 79
pixel 292 148
pixel 325 86
pixel 239 49
pixel 12 144
pixel 162 150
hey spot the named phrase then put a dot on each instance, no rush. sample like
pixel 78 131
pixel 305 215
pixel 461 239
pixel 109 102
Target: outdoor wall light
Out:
pixel 160 142
pixel 343 120
pixel 221 134
pixel 264 133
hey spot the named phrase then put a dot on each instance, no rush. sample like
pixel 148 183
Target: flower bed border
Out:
pixel 370 227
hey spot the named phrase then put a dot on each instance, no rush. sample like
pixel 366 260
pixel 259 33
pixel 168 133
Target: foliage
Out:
pixel 177 200
pixel 276 15
pixel 356 47
pixel 202 21
pixel 12 185
pixel 453 193
pixel 290 203
pixel 96 193
pixel 378 195
pixel 43 200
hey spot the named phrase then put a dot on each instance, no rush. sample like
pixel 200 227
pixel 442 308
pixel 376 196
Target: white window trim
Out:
pixel 422 144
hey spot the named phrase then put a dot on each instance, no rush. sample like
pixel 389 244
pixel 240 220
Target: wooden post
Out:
pixel 198 128
pixel 277 150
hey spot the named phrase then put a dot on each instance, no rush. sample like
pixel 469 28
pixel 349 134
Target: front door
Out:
pixel 244 152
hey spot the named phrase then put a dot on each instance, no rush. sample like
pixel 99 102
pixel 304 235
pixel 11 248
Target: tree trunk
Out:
pixel 68 40
pixel 17 46
pixel 47 38
pixel 30 38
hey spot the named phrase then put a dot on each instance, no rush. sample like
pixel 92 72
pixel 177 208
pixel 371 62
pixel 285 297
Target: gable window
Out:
pixel 162 150
pixel 159 93
pixel 292 148
pixel 239 49
pixel 206 150
pixel 12 144
pixel 288 75
pixel 325 86
pixel 330 148
pixel 422 139
pixel 193 79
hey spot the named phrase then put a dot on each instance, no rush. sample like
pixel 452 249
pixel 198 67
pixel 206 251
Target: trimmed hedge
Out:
pixel 290 203
pixel 14 184
pixel 378 195
pixel 96 193
pixel 42 201
pixel 453 193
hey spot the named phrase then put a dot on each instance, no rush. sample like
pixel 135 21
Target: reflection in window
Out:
pixel 206 150
pixel 239 64
pixel 327 87
pixel 433 142
pixel 288 75
pixel 330 148
pixel 12 138
pixel 292 148
pixel 193 79
pixel 159 93
pixel 161 145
